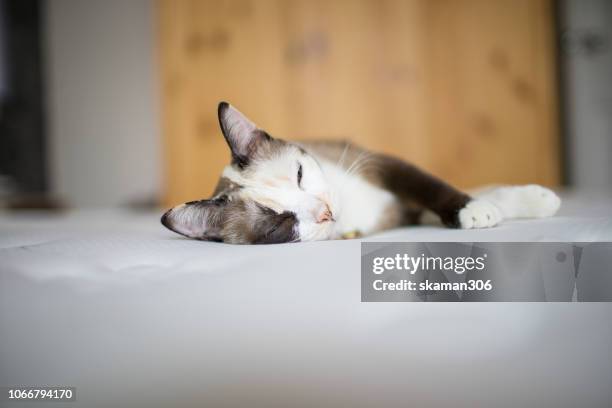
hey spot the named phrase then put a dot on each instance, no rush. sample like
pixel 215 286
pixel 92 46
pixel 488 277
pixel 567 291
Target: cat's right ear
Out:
pixel 197 219
pixel 241 134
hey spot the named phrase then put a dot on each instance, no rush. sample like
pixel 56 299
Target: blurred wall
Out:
pixel 102 99
pixel 587 27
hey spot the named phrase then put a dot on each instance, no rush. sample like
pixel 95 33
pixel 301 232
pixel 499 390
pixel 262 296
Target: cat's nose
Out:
pixel 325 215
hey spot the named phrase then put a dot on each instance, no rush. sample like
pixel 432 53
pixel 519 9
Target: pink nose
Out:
pixel 325 215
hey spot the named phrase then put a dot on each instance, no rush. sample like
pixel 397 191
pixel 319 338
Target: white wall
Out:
pixel 102 101
pixel 589 92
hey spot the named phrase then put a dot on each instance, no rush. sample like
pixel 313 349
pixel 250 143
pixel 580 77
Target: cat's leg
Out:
pixel 457 209
pixel 492 206
pixel 529 201
pixel 414 186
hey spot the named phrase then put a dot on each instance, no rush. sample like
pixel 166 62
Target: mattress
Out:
pixel 130 314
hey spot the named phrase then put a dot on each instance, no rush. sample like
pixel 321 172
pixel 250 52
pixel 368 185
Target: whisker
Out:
pixel 361 156
pixel 340 162
pixel 359 164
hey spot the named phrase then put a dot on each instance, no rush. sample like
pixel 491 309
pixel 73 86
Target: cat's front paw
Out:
pixel 530 201
pixel 538 201
pixel 479 214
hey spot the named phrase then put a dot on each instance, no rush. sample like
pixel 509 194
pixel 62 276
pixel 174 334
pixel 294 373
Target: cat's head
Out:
pixel 273 191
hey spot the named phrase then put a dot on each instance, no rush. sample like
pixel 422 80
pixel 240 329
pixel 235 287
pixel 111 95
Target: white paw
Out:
pixel 479 214
pixel 530 201
pixel 538 201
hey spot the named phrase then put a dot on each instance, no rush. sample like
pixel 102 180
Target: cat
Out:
pixel 275 191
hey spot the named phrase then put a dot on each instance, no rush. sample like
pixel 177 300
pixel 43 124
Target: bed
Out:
pixel 130 314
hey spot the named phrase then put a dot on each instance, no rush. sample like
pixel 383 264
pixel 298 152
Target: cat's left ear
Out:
pixel 241 134
pixel 197 219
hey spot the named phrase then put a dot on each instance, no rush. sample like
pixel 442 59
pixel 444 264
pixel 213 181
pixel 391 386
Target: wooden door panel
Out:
pixel 464 88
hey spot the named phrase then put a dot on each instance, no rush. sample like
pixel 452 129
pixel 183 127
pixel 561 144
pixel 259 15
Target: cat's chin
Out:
pixel 317 231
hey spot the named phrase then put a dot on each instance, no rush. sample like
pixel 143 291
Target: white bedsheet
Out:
pixel 133 315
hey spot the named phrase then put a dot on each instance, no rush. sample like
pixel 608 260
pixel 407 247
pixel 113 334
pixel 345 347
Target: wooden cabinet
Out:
pixel 463 88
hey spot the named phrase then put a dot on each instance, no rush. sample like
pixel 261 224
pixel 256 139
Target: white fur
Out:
pixel 530 201
pixel 493 206
pixel 360 204
pixel 479 214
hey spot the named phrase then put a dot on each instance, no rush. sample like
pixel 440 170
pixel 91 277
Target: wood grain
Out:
pixel 463 88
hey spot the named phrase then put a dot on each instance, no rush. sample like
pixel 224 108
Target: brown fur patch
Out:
pixel 247 222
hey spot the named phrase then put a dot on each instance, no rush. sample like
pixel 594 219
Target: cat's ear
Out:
pixel 242 135
pixel 197 219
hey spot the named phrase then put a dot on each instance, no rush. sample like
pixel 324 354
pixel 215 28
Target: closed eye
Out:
pixel 299 175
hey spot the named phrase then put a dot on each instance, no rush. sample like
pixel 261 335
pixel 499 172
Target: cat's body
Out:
pixel 276 191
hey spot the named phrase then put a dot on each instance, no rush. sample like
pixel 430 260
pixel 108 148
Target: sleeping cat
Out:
pixel 278 191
